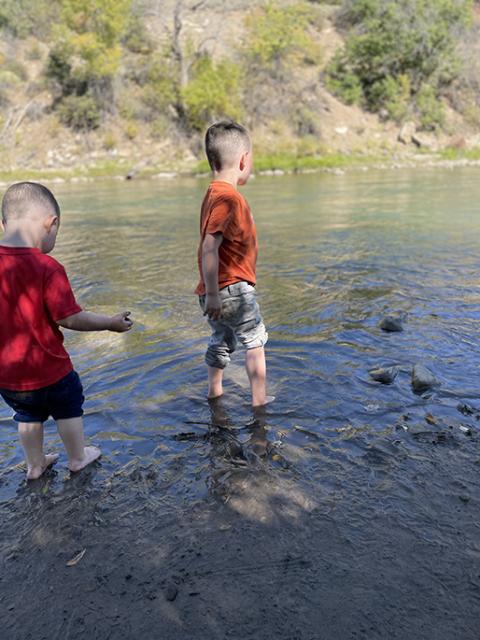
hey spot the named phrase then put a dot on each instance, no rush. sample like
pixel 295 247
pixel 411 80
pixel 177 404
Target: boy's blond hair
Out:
pixel 224 142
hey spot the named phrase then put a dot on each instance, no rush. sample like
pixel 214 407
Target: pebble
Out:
pixel 384 375
pixel 171 592
pixel 422 379
pixel 391 323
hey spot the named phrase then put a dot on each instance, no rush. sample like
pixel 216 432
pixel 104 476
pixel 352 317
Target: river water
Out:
pixel 351 508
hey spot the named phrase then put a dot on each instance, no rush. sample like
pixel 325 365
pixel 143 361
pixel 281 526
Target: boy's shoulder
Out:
pixel 223 192
pixel 36 259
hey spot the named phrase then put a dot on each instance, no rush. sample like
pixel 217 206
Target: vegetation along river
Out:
pixel 350 509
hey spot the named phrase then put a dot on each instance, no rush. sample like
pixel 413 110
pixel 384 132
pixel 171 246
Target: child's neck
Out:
pixel 227 175
pixel 19 236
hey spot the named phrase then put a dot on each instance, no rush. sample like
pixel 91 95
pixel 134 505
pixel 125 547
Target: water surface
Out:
pixel 372 487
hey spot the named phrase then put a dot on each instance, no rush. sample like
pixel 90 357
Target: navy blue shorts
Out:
pixel 61 400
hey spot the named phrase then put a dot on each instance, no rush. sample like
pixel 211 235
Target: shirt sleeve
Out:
pixel 58 295
pixel 222 218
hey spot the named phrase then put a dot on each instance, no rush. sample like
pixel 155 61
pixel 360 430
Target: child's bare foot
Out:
pixel 33 473
pixel 268 400
pixel 90 455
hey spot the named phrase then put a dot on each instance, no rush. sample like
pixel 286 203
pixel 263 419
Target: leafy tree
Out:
pixel 277 36
pixel 394 49
pixel 87 51
pixel 25 17
pixel 213 92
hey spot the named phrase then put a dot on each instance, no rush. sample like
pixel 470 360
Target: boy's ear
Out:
pixel 243 161
pixel 50 222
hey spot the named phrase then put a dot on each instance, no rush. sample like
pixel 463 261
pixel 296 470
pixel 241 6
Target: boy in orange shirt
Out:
pixel 37 379
pixel 227 258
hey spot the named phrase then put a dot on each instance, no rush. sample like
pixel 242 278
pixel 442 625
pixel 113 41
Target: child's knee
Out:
pixel 217 357
pixel 254 337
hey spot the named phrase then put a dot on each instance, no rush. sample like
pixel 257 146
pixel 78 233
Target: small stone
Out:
pixel 423 379
pixel 407 132
pixel 384 375
pixel 391 323
pixel 171 592
pixel 466 409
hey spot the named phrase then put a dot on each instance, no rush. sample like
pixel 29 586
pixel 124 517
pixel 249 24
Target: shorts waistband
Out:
pixel 238 287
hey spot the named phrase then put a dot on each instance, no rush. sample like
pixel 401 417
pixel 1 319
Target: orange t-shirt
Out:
pixel 225 211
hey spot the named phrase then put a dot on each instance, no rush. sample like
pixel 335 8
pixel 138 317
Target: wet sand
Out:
pixel 384 547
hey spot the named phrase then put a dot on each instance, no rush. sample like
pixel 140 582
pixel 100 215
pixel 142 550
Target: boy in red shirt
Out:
pixel 36 374
pixel 227 258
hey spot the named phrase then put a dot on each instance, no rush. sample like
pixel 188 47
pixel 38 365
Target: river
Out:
pixel 350 509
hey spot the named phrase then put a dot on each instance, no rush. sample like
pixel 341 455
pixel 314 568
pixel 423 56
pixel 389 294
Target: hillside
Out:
pixel 139 97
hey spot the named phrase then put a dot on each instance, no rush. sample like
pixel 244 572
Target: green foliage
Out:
pixel 131 130
pixel 109 142
pixel 278 35
pixel 136 37
pixel 25 17
pixel 213 92
pixel 343 81
pixel 86 57
pixel 161 85
pixel 392 95
pixel 79 112
pixel 430 109
pixel 395 48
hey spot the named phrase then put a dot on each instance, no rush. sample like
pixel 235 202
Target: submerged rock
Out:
pixel 385 375
pixel 466 409
pixel 392 323
pixel 423 379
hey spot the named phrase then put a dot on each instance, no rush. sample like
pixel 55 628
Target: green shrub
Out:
pixel 278 35
pixel 136 37
pixel 25 17
pixel 109 142
pixel 131 130
pixel 343 81
pixel 213 92
pixel 79 112
pixel 395 48
pixel 430 109
pixel 393 96
pixel 86 52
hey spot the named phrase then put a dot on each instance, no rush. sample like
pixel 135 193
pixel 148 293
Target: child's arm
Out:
pixel 210 246
pixel 88 321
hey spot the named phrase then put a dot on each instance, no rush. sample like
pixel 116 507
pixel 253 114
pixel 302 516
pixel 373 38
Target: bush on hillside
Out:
pixel 22 18
pixel 213 91
pixel 79 112
pixel 86 54
pixel 278 36
pixel 399 56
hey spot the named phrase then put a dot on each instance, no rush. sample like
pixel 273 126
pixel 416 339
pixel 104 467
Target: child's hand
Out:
pixel 121 322
pixel 213 306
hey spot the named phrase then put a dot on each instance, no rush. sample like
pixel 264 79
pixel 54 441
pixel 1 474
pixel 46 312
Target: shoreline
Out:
pixel 274 165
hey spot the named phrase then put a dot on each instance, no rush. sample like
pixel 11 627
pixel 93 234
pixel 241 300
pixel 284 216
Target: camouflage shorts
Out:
pixel 240 322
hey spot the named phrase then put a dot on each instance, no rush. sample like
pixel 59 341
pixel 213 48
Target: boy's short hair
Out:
pixel 223 142
pixel 20 198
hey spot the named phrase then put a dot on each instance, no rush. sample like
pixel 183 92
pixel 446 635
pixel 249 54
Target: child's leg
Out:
pixel 257 374
pixel 71 433
pixel 31 437
pixel 215 379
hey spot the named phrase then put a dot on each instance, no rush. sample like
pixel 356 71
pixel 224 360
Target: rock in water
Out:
pixel 384 375
pixel 392 323
pixel 423 379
